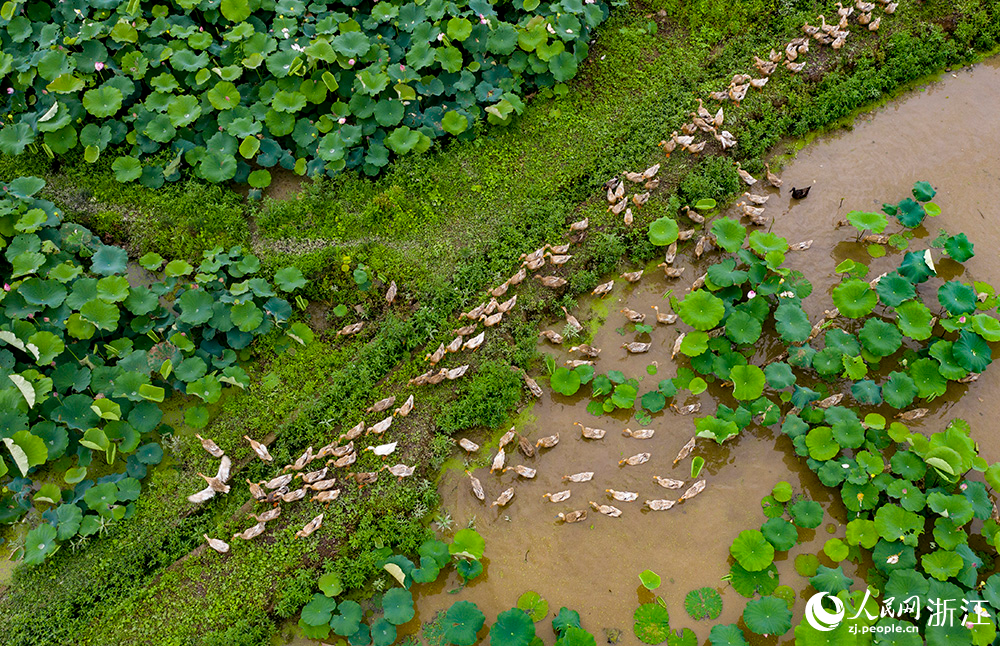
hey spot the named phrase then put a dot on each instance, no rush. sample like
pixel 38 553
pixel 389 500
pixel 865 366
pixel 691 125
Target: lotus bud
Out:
pixel 751 294
pixel 10 90
pixel 402 68
pixel 350 61
pixel 98 66
pixel 6 287
pixel 961 319
pixel 342 120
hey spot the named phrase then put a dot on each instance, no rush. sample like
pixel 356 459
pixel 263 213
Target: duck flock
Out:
pixel 320 484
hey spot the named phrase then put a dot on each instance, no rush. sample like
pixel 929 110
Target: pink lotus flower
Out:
pixel 402 68
pixel 961 319
pixel 6 287
pixel 350 62
pixel 342 120
pixel 98 66
pixel 10 90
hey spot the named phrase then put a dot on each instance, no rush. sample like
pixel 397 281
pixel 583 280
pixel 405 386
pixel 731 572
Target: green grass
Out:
pixel 444 226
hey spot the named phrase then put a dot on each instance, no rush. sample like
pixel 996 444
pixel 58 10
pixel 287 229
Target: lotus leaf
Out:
pixel 716 429
pixel 663 231
pixel 534 605
pixel 725 274
pixel 398 606
pixel 874 222
pixel 149 454
pixel 792 323
pixel 899 390
pixel 987 327
pixel 319 610
pixel 752 551
pixel 957 298
pixel 807 514
pixel 894 523
pixel 893 289
pixel 763 243
pixel 779 375
pixel 923 192
pixel 574 636
pixel 861 531
pixel 467 543
pixel 651 623
pixel 914 320
pixel 564 620
pixel 780 533
pixel 39 543
pixel 854 298
pixel 463 622
pixel 942 564
pixel 703 603
pixel 911 214
pixel 565 381
pixel 956 508
pixel 726 635
pixel 917 266
pixel 348 619
pixel 653 401
pixel 649 579
pixel 879 338
pixel 768 616
pixel 103 101
pixel 958 247
pixel 383 633
pixel 747 583
pixel 512 628
pixel 748 382
pixel 830 580
pixel 971 352
pixel 821 444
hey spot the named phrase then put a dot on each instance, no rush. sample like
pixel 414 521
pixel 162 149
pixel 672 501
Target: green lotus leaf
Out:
pixel 319 610
pixel 854 298
pixel 914 320
pixel 463 621
pixel 729 233
pixel 149 454
pixel 259 178
pixel 653 401
pixel 861 531
pixel 874 222
pixel 703 603
pixel 899 390
pixel 987 327
pixel 879 338
pixel 224 96
pixel 649 579
pixel 126 168
pixel 972 352
pixel 917 266
pixel 942 564
pixel 748 382
pixel 893 289
pixel 565 381
pixel 836 549
pixel 763 243
pixel 768 616
pixel 235 10
pixel 651 623
pixel 923 192
pixel 725 274
pixel 534 605
pixel 780 533
pixel 574 636
pixel 747 583
pixel 24 187
pixel 779 375
pixel 454 122
pixel 911 214
pixel 624 396
pixel 398 606
pixel 928 379
pixel 217 167
pixel 403 140
pixel 830 580
pixel 565 620
pixel 792 323
pixel 694 344
pixel 807 514
pixel 383 633
pixel 752 551
pixel 727 635
pixel 701 310
pixel 716 429
pixel 352 44
pixel 663 231
pixel 39 543
pixel 467 543
pixel 348 618
pixel 512 628
pixel 196 307
pixel 103 102
pixel 893 523
pixel 957 298
pixel 956 508
pixel 563 65
pixel 821 444
pixel 959 248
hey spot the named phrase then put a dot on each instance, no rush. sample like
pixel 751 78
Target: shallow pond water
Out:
pixel 946 133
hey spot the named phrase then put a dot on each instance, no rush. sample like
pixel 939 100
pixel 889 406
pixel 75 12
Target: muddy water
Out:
pixel 945 133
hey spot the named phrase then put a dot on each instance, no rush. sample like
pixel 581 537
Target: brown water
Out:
pixel 946 133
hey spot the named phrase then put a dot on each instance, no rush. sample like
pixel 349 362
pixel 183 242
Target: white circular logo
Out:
pixel 818 616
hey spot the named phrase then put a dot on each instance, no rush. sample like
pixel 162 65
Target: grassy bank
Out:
pixel 444 226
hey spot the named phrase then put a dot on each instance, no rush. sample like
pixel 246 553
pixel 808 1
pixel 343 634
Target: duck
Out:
pixel 668 146
pixel 844 12
pixel 758 200
pixel 313 476
pixel 525 447
pixel 664 318
pixel 635 178
pixel 583 476
pixel 507 305
pixel 259 449
pixel 559 496
pixel 548 441
pixel 256 492
pixel 353 433
pixel 702 111
pixel 738 92
pixel 363 478
pixel 803 46
pixel 552 281
pixel 824 27
pixel 864 18
pixel 345 461
pixel 279 482
pixel 477 486
pixel 758 84
pixel 383 450
pixel 322 485
pixel 474 313
pixel 251 532
pixel 694 149
pixel 671 254
pixel 671 272
pixel 809 29
pixel 642 434
pixel 293 496
pixel 702 124
pixel 580 225
pixel 507 437
pixel 474 342
pixel 586 350
pixel 521 470
pixel 572 321
pixel 381 405
pixel 668 483
pixel 216 484
pixel 219 546
pixel 750 211
pixel 721 96
pixel 500 291
pixel 765 67
pixel 635 460
pixel 576 363
pixel 745 176
pixel 772 179
pixel 687 410
pixel 455 345
pixel 683 141
pixel 516 279
pixel 492 319
pixel 704 244
pixel 504 498
pixel 590 433
pixel 795 68
pixel 839 41
pixel 913 415
pixel 726 139
pixel 801 246
pixel 695 489
pixel 498 461
pixel 532 385
pixel 310 527
pixel 352 329
pixel 603 289
pixel 552 336
pixel 739 79
pixel 326 496
pixel 401 470
pixel 775 56
pixel 607 510
pixel 890 8
pixel 832 400
pixel 677 344
pixel 573 516
pixel 301 463
pixel 407 406
pixel 559 260
pixel 468 445
pixel 618 208
pixel 534 255
pixel 692 215
pixel 622 496
pixel 636 347
pixel 660 504
pixel 633 316
pixel 632 276
pixel 640 199
pixel 381 427
pixel 268 515
pixel 873 25
pixel 616 192
pixel 390 294
pixel 210 446
pixel 456 373
pixel 685 450
pixel 699 282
